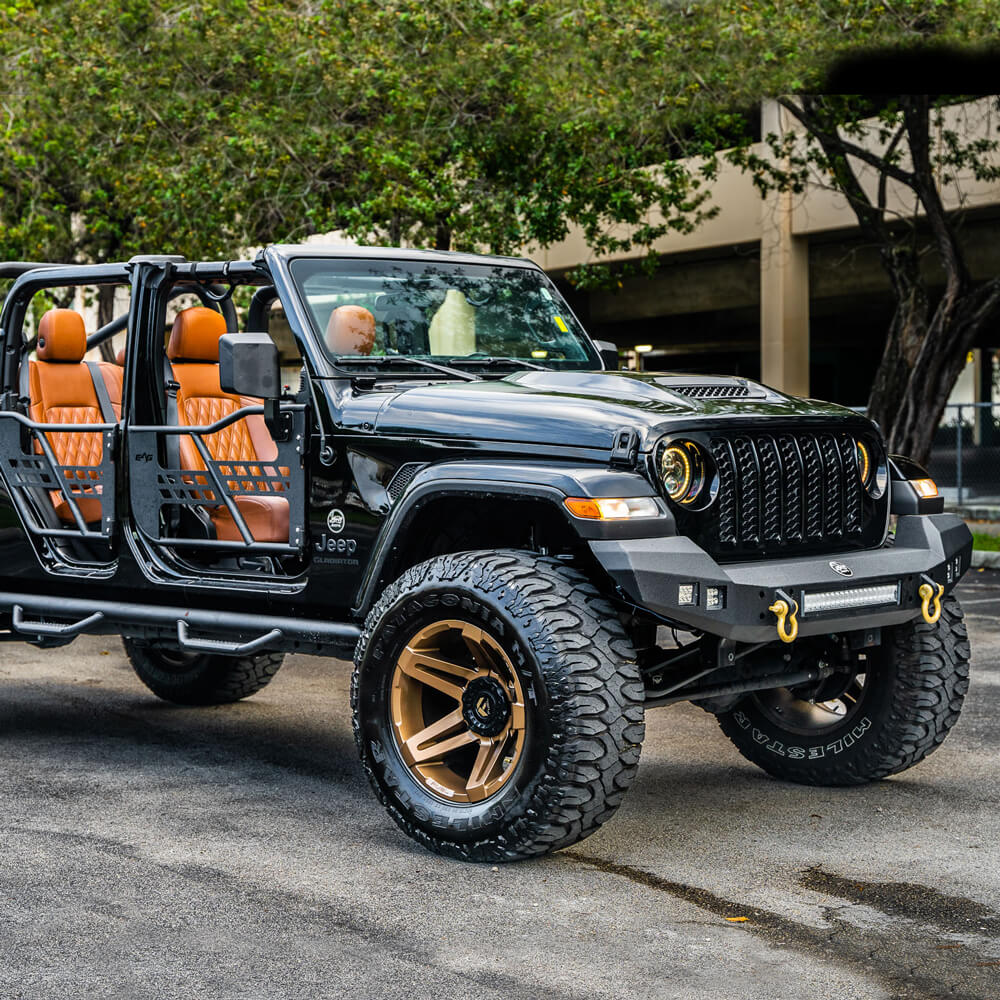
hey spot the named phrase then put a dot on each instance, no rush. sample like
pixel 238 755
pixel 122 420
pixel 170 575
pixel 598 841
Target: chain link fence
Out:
pixel 965 459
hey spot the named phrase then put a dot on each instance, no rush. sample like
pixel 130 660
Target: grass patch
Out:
pixel 986 543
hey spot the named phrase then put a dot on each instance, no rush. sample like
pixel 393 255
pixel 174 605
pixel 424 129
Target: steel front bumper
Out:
pixel 655 573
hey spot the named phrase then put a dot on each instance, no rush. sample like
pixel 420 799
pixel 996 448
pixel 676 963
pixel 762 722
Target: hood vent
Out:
pixel 721 388
pixel 712 391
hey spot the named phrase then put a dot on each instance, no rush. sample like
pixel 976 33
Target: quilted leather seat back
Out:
pixel 200 401
pixel 62 392
pixel 193 351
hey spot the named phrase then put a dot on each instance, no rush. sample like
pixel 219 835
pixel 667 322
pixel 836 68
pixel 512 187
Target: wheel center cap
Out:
pixel 485 706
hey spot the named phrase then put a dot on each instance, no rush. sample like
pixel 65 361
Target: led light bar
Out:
pixel 855 597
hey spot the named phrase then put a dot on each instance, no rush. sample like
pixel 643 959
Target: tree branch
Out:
pixel 869 218
pixel 916 115
pixel 812 125
pixel 884 174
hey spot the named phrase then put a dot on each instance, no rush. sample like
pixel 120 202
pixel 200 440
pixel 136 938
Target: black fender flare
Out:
pixel 547 481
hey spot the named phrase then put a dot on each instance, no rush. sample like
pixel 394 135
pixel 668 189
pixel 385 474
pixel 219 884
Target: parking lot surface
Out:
pixel 156 851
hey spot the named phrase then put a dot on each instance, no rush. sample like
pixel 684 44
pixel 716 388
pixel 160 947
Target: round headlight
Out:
pixel 675 471
pixel 872 467
pixel 682 471
pixel 864 462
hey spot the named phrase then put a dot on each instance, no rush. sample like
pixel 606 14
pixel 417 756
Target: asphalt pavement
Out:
pixel 155 851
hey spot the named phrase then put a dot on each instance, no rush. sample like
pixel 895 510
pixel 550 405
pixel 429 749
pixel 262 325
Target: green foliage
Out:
pixel 985 542
pixel 207 127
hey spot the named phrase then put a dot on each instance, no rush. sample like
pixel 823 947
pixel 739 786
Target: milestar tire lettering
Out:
pixel 803 753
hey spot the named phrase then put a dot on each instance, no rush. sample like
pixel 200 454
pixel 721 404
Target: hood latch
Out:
pixel 625 449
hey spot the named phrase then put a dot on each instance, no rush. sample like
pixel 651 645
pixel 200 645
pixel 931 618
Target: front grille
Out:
pixel 730 391
pixel 789 490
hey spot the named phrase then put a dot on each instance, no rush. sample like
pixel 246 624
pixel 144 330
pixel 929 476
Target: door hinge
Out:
pixel 625 449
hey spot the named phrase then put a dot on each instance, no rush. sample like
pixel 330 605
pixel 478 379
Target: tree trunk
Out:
pixel 950 336
pixel 907 331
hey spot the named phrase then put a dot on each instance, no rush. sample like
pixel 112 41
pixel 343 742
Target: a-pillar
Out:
pixel 784 283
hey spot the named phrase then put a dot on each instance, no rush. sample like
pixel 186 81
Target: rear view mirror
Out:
pixel 609 354
pixel 248 365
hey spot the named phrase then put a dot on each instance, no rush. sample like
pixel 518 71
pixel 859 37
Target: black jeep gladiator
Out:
pixel 422 459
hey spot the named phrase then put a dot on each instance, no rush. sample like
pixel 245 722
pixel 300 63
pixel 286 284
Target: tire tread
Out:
pixel 932 679
pixel 216 680
pixel 591 676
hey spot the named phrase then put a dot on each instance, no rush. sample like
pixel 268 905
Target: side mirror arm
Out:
pixel 278 424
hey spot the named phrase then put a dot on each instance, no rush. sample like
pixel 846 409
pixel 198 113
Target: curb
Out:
pixel 985 560
pixel 971 513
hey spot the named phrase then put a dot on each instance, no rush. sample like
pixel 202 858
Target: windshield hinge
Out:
pixel 625 449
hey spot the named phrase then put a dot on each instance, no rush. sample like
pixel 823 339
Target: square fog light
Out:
pixel 687 594
pixel 715 598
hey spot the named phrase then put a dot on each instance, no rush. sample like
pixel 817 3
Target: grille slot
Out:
pixel 787 490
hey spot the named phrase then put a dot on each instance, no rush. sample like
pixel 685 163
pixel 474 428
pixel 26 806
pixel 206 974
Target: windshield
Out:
pixel 468 316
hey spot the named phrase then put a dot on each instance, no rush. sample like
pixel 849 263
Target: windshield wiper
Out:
pixel 478 359
pixel 382 360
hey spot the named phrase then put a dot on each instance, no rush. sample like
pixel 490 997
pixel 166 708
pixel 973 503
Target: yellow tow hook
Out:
pixel 927 597
pixel 786 610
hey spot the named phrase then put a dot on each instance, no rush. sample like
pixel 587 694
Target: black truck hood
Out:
pixel 571 409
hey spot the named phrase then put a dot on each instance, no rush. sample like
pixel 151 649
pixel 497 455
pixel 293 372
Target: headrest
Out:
pixel 195 335
pixel 61 336
pixel 120 357
pixel 351 330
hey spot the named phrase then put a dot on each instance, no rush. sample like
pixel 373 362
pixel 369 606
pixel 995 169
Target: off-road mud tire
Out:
pixel 202 679
pixel 914 697
pixel 584 715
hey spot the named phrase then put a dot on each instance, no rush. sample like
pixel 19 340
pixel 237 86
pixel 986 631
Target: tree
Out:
pixel 210 127
pixel 896 160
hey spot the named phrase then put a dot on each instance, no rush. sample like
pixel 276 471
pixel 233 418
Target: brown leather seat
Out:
pixel 193 351
pixel 62 391
pixel 350 330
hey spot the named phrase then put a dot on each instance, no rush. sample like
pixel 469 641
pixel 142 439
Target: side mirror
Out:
pixel 609 354
pixel 248 365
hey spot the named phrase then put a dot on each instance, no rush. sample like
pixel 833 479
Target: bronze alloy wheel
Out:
pixel 488 730
pixel 457 711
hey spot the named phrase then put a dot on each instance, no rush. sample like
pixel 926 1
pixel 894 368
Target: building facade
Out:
pixel 784 288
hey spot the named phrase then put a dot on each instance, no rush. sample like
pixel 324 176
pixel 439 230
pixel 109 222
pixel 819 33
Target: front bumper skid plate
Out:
pixel 650 572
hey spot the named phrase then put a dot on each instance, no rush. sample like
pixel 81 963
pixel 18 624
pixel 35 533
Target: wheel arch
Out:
pixel 500 498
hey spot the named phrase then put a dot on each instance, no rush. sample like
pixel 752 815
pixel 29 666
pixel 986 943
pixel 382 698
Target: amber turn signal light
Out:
pixel 925 487
pixel 616 509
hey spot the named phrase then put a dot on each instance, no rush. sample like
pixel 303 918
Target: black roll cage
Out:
pixel 207 293
pixel 34 469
